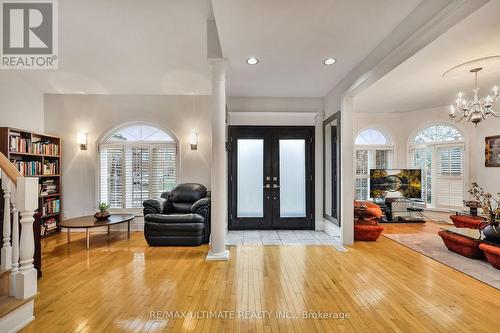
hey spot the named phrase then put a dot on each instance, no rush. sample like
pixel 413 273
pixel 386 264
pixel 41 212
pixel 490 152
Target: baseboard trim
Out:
pixel 18 319
pixel 224 256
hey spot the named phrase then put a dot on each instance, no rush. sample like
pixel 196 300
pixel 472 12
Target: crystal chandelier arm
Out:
pixel 494 114
pixel 460 118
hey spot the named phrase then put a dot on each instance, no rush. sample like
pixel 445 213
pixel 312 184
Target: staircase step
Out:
pixel 4 283
pixel 10 304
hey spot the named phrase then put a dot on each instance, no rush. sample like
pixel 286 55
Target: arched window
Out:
pixel 373 151
pixel 439 151
pixel 438 134
pixel 137 162
pixel 371 137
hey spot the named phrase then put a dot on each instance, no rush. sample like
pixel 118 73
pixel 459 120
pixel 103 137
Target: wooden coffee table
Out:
pixel 87 222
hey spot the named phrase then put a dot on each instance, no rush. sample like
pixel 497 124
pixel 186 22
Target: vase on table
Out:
pixel 492 232
pixel 102 215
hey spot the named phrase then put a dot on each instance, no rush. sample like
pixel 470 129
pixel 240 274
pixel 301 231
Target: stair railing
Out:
pixel 18 244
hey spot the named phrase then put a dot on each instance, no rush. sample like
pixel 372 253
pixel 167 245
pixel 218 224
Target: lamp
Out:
pixel 477 108
pixel 194 141
pixel 81 139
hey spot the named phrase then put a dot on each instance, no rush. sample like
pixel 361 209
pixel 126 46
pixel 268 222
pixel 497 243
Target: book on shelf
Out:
pixel 48 226
pixel 45 147
pixel 18 144
pixel 50 168
pixel 48 187
pixel 51 206
pixel 28 168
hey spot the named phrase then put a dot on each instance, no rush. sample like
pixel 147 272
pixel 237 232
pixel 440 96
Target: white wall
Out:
pixel 401 126
pixel 66 115
pixel 488 178
pixel 274 104
pixel 21 104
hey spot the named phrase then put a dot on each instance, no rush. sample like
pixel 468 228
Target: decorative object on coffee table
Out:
pixel 490 205
pixel 473 205
pixel 103 213
pixel 492 151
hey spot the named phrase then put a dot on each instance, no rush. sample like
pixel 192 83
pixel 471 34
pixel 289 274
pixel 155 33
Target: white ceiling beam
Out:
pixel 422 26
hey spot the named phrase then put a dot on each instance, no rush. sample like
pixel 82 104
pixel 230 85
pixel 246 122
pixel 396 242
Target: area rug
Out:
pixel 433 247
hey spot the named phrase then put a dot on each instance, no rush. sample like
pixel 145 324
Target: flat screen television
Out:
pixel 406 183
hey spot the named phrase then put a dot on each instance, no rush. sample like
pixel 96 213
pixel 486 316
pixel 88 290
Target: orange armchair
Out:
pixel 366 217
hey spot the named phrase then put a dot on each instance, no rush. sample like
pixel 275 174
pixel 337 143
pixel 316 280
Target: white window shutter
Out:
pixel 163 168
pixel 450 177
pixel 111 180
pixel 137 174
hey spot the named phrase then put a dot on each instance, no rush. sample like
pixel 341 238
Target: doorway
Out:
pixel 271 177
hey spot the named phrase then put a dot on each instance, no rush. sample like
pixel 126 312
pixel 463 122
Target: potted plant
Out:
pixel 103 213
pixel 490 205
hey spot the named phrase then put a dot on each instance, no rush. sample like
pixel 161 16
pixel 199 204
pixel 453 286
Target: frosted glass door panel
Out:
pixel 250 176
pixel 292 178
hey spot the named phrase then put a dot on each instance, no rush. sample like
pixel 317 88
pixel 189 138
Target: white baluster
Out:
pixel 6 251
pixel 27 201
pixel 15 246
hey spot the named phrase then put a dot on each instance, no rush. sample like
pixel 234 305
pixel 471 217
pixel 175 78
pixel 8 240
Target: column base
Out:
pixel 224 256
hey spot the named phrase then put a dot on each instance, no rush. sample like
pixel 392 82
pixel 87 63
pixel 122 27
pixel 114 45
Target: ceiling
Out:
pixel 291 38
pixel 129 47
pixel 418 83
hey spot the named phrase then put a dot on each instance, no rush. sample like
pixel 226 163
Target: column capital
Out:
pixel 219 66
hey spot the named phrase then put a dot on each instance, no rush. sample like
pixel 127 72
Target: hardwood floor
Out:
pixel 383 286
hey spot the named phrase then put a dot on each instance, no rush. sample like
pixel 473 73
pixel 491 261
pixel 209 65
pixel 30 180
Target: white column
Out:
pixel 347 171
pixel 6 251
pixel 219 163
pixel 27 201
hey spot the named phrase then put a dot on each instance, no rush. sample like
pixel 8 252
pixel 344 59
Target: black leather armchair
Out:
pixel 179 217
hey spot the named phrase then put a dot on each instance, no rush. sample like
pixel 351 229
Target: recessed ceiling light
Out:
pixel 252 61
pixel 329 61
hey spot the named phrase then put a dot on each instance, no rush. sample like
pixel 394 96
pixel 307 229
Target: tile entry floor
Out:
pixel 282 237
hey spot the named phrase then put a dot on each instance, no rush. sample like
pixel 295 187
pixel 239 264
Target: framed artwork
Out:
pixel 492 151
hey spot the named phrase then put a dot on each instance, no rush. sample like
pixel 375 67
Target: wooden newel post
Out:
pixel 27 203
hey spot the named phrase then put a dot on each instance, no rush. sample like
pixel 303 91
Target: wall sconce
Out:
pixel 81 139
pixel 194 141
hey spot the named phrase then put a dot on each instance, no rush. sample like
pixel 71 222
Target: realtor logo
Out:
pixel 29 34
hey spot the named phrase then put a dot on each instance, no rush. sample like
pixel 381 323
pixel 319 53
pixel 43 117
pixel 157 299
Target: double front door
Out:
pixel 271 177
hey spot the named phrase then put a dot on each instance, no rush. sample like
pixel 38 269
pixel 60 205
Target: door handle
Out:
pixel 275 186
pixel 267 186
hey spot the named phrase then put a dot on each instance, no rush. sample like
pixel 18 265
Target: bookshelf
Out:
pixel 38 155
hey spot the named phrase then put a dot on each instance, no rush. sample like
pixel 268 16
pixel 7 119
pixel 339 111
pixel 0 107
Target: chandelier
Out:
pixel 478 108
